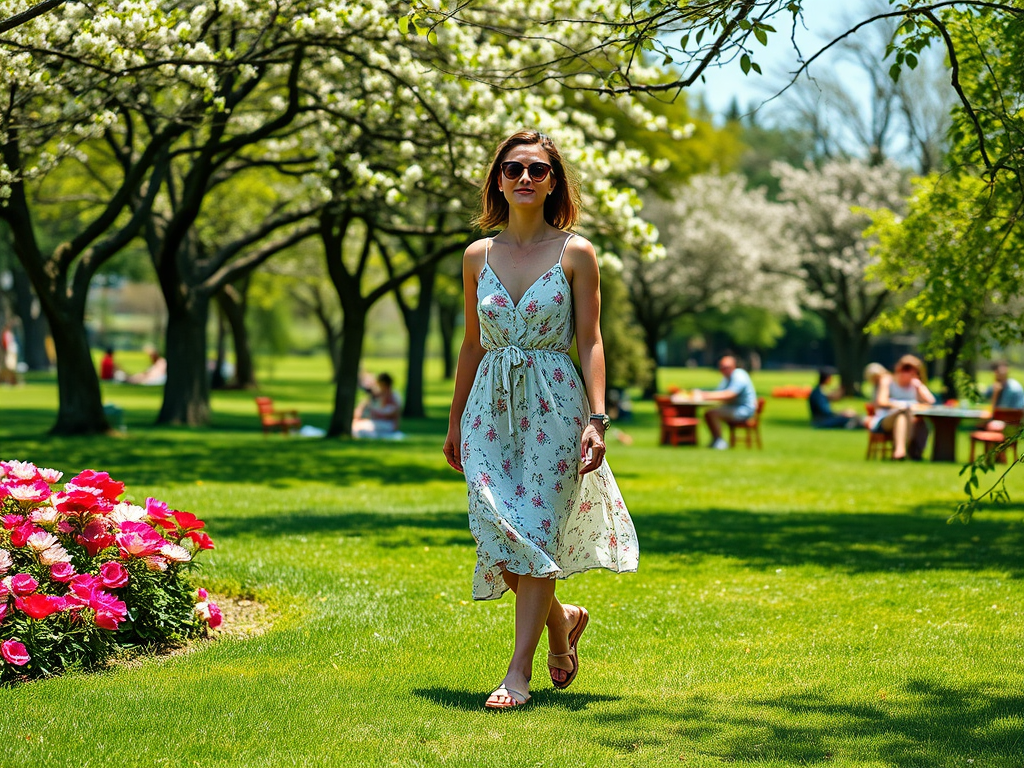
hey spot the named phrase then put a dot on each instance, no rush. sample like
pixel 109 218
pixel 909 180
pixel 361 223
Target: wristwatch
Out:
pixel 602 417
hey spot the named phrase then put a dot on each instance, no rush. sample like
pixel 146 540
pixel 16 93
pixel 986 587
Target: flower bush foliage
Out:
pixel 83 572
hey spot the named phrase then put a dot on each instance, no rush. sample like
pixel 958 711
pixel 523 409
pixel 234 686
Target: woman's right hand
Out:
pixel 453 447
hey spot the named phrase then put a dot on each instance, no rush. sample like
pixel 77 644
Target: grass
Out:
pixel 794 606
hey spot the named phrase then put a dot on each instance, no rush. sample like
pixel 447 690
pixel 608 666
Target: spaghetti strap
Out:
pixel 566 243
pixel 487 249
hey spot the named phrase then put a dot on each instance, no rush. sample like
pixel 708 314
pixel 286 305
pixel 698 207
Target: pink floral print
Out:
pixel 529 510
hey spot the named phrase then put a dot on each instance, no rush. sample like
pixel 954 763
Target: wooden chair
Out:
pixel 990 438
pixel 271 420
pixel 751 425
pixel 675 429
pixel 879 443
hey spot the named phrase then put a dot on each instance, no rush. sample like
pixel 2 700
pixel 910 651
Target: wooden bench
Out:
pixel 272 420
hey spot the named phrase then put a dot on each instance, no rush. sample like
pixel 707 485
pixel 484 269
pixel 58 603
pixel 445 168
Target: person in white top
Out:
pixel 896 398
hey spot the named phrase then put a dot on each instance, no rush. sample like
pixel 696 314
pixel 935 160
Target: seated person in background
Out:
pixel 820 402
pixel 896 398
pixel 739 400
pixel 379 416
pixel 155 375
pixel 1006 392
pixel 108 368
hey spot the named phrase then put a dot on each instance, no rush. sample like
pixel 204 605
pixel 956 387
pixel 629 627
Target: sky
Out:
pixel 778 58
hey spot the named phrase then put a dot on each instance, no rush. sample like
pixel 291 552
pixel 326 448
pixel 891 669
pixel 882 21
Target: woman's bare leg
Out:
pixel 560 620
pixel 533 604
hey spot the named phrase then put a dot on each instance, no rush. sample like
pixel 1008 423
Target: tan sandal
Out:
pixel 572 655
pixel 515 698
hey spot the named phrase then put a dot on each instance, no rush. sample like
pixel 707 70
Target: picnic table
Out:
pixel 945 420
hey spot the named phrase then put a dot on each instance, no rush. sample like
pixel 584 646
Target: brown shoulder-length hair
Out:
pixel 562 206
pixel 910 361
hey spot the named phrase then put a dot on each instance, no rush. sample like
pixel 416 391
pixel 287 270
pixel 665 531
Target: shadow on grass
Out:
pixel 921 723
pixel 473 701
pixel 152 457
pixel 392 530
pixel 849 542
pixel 853 542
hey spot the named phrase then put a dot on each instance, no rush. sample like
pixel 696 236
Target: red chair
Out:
pixel 751 425
pixel 272 420
pixel 990 438
pixel 675 428
pixel 879 443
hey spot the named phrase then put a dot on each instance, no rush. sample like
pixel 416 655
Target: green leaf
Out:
pixel 761 35
pixel 756 67
pixel 745 63
pixel 911 60
pixel 403 25
pixel 432 37
pixel 894 72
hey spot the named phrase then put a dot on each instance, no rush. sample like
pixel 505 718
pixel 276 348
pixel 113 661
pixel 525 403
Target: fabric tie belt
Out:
pixel 508 359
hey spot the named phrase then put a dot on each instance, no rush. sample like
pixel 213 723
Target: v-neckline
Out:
pixel 515 304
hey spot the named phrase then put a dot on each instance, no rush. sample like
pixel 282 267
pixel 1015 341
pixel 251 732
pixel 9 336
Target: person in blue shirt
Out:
pixel 1006 392
pixel 820 402
pixel 739 400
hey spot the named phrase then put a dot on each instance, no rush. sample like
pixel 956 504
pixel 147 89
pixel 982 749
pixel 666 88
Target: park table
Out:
pixel 945 420
pixel 689 405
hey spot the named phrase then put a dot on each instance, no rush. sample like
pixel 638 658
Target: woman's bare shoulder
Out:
pixel 474 255
pixel 579 255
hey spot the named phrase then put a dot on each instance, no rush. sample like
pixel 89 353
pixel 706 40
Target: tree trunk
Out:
pixel 446 317
pixel 80 409
pixel 353 333
pixel 417 324
pixel 951 362
pixel 233 303
pixel 33 323
pixel 651 338
pixel 217 380
pixel 187 392
pixel 851 346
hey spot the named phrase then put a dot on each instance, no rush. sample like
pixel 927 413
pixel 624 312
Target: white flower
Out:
pixel 5 561
pixel 127 513
pixel 53 555
pixel 175 553
pixel 41 540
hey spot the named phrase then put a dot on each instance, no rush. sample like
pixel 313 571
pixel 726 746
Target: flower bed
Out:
pixel 85 573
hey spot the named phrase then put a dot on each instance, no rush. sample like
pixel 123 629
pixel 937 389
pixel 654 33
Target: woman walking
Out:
pixel 528 435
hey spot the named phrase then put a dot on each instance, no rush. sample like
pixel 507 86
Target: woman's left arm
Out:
pixel 924 395
pixel 585 277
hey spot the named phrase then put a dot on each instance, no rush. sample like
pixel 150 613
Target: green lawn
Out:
pixel 794 606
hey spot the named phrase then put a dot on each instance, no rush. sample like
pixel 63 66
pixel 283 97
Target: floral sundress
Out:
pixel 529 509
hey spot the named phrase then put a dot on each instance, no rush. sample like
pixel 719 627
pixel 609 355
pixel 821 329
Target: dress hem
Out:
pixel 559 574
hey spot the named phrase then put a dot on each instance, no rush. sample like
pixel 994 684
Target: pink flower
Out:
pixel 76 502
pixel 96 536
pixel 62 572
pixel 110 611
pixel 12 521
pixel 84 586
pixel 216 617
pixel 50 476
pixel 524 423
pixel 21 470
pixel 15 653
pixel 113 575
pixel 138 540
pixel 98 481
pixel 532 307
pixel 3 612
pixel 35 492
pixel 202 594
pixel 156 509
pixel 39 606
pixel 23 584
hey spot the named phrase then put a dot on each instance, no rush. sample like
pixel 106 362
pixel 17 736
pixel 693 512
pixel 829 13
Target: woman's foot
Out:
pixel 563 659
pixel 514 691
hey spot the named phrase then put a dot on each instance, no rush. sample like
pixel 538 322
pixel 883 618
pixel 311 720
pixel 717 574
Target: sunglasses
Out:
pixel 514 170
